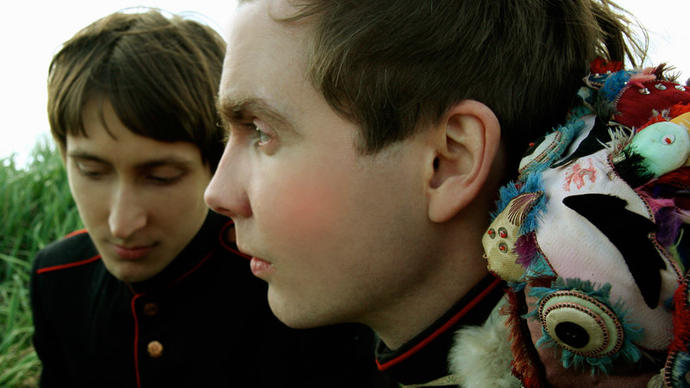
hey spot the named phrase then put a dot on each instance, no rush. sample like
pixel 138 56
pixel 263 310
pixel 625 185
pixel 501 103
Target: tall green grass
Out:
pixel 36 208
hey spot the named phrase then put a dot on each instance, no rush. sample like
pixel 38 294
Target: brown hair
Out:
pixel 390 65
pixel 161 75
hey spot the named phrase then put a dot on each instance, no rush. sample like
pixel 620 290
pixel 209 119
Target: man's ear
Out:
pixel 466 144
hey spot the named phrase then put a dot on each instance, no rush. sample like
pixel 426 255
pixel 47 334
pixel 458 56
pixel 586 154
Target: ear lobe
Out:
pixel 465 150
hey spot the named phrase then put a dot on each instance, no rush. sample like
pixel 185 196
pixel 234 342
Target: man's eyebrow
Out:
pixel 83 155
pixel 147 164
pixel 233 110
pixel 166 161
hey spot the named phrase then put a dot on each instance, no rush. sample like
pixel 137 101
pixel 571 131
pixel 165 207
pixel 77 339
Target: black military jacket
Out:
pixel 204 321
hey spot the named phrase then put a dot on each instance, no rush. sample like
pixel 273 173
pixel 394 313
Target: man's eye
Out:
pixel 262 134
pixel 165 175
pixel 90 170
pixel 263 137
pixel 90 174
pixel 159 180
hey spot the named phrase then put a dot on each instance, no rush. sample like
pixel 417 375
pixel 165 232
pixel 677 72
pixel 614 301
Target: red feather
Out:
pixel 678 178
pixel 679 109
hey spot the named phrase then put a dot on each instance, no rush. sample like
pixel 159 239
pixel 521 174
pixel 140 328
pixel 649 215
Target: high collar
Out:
pixel 425 357
pixel 204 243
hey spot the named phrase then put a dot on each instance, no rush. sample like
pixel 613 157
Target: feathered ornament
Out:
pixel 590 237
pixel 657 149
pixel 677 368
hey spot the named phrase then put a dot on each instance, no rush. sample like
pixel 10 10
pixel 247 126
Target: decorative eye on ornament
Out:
pixel 579 318
pixel 668 139
pixel 502 235
pixel 581 324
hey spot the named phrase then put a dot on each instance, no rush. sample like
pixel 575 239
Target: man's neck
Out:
pixel 455 265
pixel 416 311
pixel 424 358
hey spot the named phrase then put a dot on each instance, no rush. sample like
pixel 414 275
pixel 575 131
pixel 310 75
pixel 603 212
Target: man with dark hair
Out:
pixel 153 293
pixel 367 142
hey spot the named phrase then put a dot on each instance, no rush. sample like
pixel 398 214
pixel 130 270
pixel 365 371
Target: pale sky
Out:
pixel 32 31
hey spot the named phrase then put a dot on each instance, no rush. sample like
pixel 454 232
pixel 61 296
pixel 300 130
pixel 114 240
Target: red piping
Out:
pixel 68 265
pixel 136 339
pixel 441 329
pixel 76 232
pixel 136 320
pixel 224 243
pixel 199 264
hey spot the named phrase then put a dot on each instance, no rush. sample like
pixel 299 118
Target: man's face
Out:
pixel 341 236
pixel 141 200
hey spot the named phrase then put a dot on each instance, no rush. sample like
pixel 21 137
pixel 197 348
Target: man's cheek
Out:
pixel 304 210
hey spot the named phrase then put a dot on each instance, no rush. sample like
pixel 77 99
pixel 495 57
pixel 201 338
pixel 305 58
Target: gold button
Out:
pixel 155 349
pixel 150 309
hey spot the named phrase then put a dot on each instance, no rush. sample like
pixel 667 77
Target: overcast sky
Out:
pixel 32 31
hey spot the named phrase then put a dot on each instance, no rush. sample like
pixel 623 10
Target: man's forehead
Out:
pixel 280 9
pixel 252 37
pixel 265 61
pixel 263 18
pixel 273 9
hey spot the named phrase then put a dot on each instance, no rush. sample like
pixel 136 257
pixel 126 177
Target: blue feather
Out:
pixel 538 269
pixel 679 369
pixel 614 85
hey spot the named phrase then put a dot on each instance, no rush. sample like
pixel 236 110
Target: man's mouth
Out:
pixel 260 267
pixel 132 252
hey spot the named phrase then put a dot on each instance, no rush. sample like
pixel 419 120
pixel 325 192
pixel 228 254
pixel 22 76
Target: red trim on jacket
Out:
pixel 452 321
pixel 224 243
pixel 193 269
pixel 136 338
pixel 76 232
pixel 133 307
pixel 68 265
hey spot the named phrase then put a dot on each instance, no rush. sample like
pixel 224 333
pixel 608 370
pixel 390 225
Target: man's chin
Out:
pixel 131 278
pixel 129 273
pixel 296 316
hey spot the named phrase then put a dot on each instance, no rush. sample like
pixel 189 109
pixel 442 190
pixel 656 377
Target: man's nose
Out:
pixel 127 213
pixel 226 194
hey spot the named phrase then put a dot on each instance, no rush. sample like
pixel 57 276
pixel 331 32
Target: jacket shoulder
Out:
pixel 75 250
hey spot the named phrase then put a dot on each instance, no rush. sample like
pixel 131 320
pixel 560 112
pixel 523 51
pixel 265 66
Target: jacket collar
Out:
pixel 204 243
pixel 425 357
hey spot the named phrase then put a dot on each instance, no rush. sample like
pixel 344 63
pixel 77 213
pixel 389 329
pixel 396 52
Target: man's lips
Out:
pixel 260 267
pixel 132 252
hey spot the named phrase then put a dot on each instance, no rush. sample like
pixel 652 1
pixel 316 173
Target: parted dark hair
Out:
pixel 160 73
pixel 391 65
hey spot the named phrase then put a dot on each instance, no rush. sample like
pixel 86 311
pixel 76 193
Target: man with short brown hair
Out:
pixel 367 142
